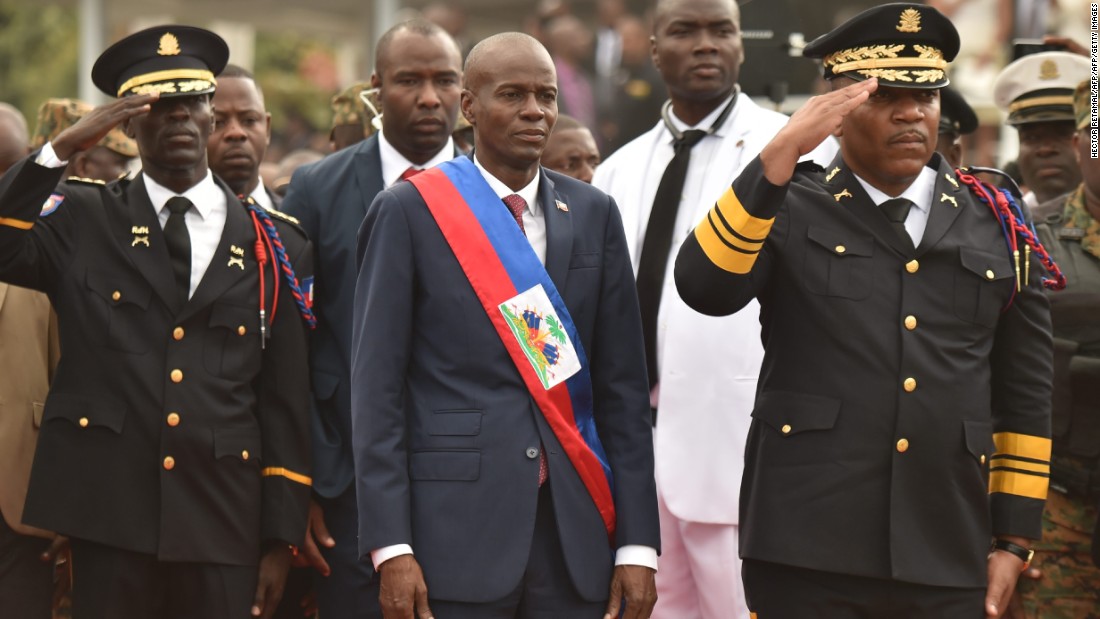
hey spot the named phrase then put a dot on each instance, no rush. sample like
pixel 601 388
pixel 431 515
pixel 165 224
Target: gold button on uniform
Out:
pixel 910 322
pixel 903 445
pixel 177 376
pixel 910 384
pixel 116 295
pixel 169 463
pixel 912 266
pixel 244 455
pixel 173 419
pixel 241 330
pixel 177 333
pixel 786 429
pixel 83 422
pixel 840 249
pixel 989 274
pixel 982 459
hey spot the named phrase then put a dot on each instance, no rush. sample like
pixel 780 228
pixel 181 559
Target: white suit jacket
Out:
pixel 708 366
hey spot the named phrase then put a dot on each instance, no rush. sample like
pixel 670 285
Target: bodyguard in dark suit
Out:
pixel 174 446
pixel 418 74
pixel 902 420
pixel 455 457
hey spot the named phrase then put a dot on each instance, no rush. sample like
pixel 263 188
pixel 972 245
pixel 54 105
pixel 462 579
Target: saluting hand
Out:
pixel 402 590
pixel 90 129
pixel 637 586
pixel 809 126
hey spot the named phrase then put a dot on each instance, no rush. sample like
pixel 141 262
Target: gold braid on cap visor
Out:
pixel 883 61
pixel 189 80
pixel 1023 104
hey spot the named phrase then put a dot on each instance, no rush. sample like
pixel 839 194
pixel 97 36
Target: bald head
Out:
pixel 13 136
pixel 667 9
pixel 483 58
pixel 415 27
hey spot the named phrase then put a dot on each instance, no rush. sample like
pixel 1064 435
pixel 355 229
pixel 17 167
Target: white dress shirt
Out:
pixel 919 193
pixel 394 163
pixel 260 195
pixel 205 221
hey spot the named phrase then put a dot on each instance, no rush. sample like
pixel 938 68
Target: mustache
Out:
pixel 907 134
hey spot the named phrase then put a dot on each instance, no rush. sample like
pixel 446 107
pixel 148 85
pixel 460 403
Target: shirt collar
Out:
pixel 529 192
pixel 394 163
pixel 260 195
pixel 919 192
pixel 203 195
pixel 708 120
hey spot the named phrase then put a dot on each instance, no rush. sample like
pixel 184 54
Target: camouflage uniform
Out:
pixel 1070 583
pixel 348 108
pixel 56 115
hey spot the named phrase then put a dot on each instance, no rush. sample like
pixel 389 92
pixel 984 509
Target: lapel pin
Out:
pixel 951 179
pixel 141 235
pixel 237 257
pixel 832 173
pixel 842 194
pixel 561 206
pixel 947 198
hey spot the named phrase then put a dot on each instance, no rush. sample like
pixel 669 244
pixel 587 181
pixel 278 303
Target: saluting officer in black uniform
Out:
pixel 899 453
pixel 174 444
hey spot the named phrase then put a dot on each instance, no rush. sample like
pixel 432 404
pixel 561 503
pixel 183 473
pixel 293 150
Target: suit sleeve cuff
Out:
pixel 48 159
pixel 634 554
pixel 380 555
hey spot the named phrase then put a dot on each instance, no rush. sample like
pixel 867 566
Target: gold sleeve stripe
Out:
pixel 730 236
pixel 1022 446
pixel 1019 484
pixel 16 223
pixel 719 252
pixel 287 473
pixel 734 215
pixel 999 462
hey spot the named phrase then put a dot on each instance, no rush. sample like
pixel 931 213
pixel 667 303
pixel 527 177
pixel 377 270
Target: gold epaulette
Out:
pixel 86 181
pixel 283 216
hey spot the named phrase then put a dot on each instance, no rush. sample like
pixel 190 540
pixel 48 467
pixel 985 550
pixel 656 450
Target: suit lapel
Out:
pixel 559 231
pixel 223 272
pixel 141 238
pixel 368 171
pixel 849 194
pixel 945 206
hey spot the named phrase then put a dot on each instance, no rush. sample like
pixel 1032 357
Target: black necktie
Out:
pixel 896 210
pixel 658 242
pixel 179 244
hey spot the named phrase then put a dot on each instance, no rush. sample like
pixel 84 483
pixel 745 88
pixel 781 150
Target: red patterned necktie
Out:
pixel 517 205
pixel 411 172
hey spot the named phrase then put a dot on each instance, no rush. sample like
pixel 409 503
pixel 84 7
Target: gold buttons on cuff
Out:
pixel 910 384
pixel 173 419
pixel 910 322
pixel 989 274
pixel 786 429
pixel 169 463
pixel 177 333
pixel 116 295
pixel 244 455
pixel 83 422
pixel 177 376
pixel 912 266
pixel 840 249
pixel 241 330
pixel 903 445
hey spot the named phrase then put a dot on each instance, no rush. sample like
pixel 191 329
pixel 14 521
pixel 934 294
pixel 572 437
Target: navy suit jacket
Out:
pixel 445 432
pixel 330 198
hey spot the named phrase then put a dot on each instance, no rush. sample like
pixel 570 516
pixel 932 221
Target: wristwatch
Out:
pixel 1025 554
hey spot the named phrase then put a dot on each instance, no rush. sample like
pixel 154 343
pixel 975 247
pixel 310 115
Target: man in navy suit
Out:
pixel 418 71
pixel 461 456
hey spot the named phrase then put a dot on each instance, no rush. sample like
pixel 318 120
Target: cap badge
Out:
pixel 1049 70
pixel 910 21
pixel 169 45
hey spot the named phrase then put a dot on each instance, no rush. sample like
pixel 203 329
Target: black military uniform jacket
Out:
pixel 893 380
pixel 167 429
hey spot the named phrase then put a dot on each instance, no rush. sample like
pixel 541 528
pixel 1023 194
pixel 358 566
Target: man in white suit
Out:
pixel 703 370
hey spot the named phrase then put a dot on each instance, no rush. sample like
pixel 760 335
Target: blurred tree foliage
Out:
pixel 38 48
pixel 295 100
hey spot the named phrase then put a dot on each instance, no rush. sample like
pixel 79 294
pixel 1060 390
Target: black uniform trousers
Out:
pixel 26 582
pixel 777 591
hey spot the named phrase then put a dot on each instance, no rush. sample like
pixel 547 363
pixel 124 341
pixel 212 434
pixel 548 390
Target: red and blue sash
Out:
pixel 499 263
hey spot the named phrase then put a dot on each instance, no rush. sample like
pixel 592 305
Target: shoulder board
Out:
pixel 283 216
pixel 808 167
pixel 85 181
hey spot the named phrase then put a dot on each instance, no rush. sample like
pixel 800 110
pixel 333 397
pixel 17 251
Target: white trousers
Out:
pixel 699 572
